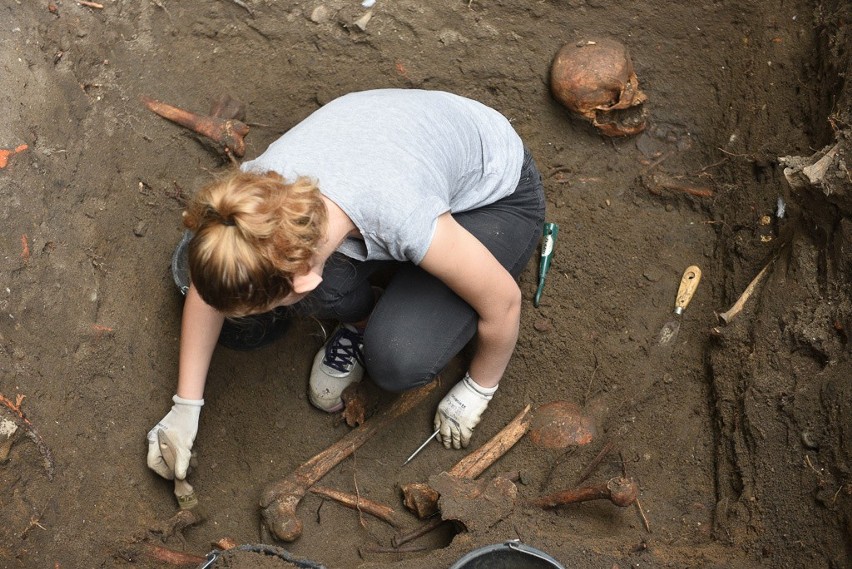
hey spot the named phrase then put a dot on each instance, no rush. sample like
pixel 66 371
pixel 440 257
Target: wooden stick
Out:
pixel 280 499
pixel 25 249
pixel 596 461
pixel 90 4
pixel 656 162
pixel 381 549
pixel 664 182
pixel 642 514
pixel 375 509
pixel 431 525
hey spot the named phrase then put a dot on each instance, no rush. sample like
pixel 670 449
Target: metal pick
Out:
pixel 421 447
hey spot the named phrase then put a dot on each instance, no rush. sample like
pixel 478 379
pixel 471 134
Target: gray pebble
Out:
pixel 652 274
pixel 141 229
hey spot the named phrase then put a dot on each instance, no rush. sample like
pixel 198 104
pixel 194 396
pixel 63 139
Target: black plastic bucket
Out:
pixel 180 263
pixel 508 555
pixel 246 333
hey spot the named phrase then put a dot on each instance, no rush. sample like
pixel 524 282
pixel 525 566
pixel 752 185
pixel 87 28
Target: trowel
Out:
pixel 185 494
pixel 688 284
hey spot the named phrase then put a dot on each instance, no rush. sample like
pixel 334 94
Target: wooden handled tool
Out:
pixel 185 494
pixel 686 290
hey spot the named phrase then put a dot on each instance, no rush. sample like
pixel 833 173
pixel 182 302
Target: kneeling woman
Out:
pixel 435 183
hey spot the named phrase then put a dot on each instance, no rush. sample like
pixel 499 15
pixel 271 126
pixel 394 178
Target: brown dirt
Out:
pixel 740 437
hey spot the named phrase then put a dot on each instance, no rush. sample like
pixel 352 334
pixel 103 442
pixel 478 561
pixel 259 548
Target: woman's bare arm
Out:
pixel 462 262
pixel 200 329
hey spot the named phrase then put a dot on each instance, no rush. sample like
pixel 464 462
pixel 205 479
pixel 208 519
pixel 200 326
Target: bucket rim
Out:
pixel 180 262
pixel 513 545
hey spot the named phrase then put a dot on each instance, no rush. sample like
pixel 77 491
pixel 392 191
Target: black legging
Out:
pixel 419 323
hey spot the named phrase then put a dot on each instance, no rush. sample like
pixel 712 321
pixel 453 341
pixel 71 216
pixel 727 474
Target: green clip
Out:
pixel 550 231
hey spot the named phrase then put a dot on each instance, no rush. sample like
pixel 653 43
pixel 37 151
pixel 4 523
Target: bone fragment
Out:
pixel 729 314
pixel 381 511
pixel 807 172
pixel 475 504
pixel 161 555
pixel 479 460
pixel 421 499
pixel 361 23
pixel 621 491
pixel 229 133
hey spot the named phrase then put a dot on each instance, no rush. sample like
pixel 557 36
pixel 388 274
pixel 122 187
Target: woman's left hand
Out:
pixel 460 412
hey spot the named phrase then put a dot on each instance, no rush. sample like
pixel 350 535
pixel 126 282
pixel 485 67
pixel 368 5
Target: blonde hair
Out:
pixel 253 233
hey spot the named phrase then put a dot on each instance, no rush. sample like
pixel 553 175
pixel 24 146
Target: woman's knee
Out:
pixel 396 370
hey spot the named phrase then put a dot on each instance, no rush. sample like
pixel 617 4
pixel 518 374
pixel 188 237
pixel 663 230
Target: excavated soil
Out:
pixel 738 434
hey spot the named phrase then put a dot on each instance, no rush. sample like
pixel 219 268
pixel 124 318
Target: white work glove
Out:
pixel 460 411
pixel 181 426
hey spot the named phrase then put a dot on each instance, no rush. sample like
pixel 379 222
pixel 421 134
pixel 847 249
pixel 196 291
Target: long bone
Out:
pixel 280 499
pixel 230 133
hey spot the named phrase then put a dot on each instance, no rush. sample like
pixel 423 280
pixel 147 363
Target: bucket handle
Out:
pixel 518 546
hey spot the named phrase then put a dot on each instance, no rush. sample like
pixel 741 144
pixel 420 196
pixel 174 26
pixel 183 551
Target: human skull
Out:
pixel 596 80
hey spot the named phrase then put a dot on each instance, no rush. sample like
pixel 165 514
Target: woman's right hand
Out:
pixel 181 426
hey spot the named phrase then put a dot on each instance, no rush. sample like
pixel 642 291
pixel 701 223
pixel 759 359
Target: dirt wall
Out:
pixel 780 372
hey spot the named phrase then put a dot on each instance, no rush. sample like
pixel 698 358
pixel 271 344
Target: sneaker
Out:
pixel 336 366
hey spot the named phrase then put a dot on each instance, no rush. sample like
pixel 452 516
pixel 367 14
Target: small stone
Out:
pixel 361 23
pixel 669 207
pixel 7 433
pixel 543 325
pixel 652 275
pixel 141 229
pixel 320 14
pixel 809 440
pixel 7 428
pixel 447 37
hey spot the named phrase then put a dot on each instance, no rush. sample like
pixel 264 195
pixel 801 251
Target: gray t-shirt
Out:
pixel 394 160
